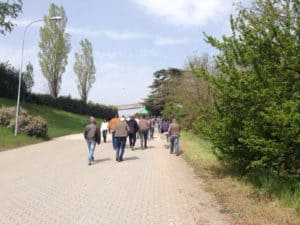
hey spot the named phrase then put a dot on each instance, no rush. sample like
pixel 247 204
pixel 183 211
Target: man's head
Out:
pixel 92 120
pixel 173 120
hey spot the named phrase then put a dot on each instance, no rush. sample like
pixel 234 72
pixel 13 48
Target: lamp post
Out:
pixel 20 71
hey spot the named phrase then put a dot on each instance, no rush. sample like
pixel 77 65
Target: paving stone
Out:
pixel 51 184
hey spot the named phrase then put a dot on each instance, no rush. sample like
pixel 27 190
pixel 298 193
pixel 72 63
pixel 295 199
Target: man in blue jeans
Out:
pixel 143 130
pixel 111 129
pixel 92 136
pixel 121 131
pixel 173 132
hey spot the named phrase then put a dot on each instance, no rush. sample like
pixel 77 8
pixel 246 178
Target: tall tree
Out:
pixel 54 48
pixel 28 77
pixel 9 10
pixel 85 69
pixel 164 82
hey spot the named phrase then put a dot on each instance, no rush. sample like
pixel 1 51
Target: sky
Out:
pixel 131 40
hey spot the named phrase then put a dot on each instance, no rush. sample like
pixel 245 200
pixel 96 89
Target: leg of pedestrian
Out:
pixel 145 138
pixel 141 139
pixel 118 147
pixel 172 140
pixel 133 141
pixel 176 145
pixel 104 134
pixel 122 148
pixel 92 145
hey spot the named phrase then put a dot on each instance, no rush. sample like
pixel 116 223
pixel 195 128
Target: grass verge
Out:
pixel 240 197
pixel 59 123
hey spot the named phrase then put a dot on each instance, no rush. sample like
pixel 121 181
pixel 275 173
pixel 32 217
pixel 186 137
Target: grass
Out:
pixel 59 123
pixel 258 199
pixel 8 140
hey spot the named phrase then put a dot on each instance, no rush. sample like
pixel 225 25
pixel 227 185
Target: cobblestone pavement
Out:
pixel 51 183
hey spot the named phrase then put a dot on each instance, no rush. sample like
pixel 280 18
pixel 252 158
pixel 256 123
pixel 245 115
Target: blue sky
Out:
pixel 131 40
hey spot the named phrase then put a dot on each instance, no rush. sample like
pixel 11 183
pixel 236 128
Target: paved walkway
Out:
pixel 51 183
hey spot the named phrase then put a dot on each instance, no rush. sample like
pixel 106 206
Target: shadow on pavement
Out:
pixel 131 158
pixel 101 160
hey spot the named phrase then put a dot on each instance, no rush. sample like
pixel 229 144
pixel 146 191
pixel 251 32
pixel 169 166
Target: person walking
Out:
pixel 174 131
pixel 111 129
pixel 143 130
pixel 121 131
pixel 164 130
pixel 92 136
pixel 133 129
pixel 152 126
pixel 104 128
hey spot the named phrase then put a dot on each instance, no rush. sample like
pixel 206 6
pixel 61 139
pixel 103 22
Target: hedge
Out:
pixel 9 88
pixel 68 104
pixel 9 80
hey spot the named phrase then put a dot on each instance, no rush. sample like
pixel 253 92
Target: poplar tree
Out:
pixel 28 77
pixel 85 69
pixel 54 48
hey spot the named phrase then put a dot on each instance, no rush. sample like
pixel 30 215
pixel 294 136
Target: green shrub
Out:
pixel 36 127
pixel 256 124
pixel 30 125
pixel 33 126
pixel 6 115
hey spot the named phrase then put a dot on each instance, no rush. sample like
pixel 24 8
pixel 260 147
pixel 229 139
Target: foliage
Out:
pixel 9 10
pixel 6 115
pixel 9 80
pixel 85 69
pixel 164 81
pixel 54 48
pixel 256 119
pixel 173 111
pixel 174 87
pixel 28 77
pixel 72 105
pixel 33 126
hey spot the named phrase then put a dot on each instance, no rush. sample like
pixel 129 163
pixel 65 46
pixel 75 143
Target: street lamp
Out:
pixel 20 71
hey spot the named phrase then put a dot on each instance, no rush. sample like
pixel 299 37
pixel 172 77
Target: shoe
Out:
pixel 177 154
pixel 89 163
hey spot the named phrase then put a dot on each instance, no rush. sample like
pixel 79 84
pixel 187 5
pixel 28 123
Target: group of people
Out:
pixel 132 127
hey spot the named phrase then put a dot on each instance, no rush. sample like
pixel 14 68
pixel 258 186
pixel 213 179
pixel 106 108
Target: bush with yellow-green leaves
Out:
pixel 33 126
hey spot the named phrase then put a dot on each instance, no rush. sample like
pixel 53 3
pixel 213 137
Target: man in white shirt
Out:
pixel 104 128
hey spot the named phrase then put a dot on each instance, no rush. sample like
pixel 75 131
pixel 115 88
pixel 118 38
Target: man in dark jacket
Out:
pixel 92 136
pixel 121 131
pixel 133 129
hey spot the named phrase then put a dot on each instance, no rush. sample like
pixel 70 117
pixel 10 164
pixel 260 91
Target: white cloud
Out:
pixel 110 34
pixel 116 35
pixel 162 41
pixel 186 12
